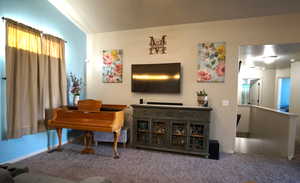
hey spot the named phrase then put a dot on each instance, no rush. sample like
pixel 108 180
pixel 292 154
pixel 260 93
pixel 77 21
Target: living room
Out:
pixel 129 29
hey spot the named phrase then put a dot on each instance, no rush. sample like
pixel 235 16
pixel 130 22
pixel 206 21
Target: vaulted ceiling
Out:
pixel 95 16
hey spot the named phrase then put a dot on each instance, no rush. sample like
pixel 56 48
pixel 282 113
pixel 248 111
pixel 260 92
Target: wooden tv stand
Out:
pixel 183 129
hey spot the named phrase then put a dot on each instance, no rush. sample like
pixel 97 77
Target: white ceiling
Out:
pixel 95 16
pixel 284 53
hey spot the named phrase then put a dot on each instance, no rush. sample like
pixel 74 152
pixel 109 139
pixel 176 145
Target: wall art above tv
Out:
pixel 156 78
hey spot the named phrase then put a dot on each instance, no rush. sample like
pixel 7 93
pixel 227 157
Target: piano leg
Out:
pixel 88 137
pixel 59 134
pixel 115 145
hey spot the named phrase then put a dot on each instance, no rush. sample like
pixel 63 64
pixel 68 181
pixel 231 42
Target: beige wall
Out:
pixel 182 43
pixel 268 88
pixel 244 123
pixel 295 93
pixel 283 73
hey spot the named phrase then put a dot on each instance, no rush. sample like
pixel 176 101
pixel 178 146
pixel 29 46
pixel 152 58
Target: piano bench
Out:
pixel 109 137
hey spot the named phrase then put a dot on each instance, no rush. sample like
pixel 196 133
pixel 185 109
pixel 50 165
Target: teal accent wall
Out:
pixel 44 16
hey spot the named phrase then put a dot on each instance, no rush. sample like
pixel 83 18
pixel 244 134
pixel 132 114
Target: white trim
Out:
pixel 275 110
pixel 29 155
pixel 279 85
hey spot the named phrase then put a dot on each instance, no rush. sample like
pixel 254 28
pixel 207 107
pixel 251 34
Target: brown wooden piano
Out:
pixel 89 116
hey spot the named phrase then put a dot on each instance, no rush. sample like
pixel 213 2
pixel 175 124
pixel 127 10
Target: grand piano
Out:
pixel 89 116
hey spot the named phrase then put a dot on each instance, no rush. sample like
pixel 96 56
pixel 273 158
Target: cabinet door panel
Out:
pixel 159 132
pixel 142 131
pixel 178 137
pixel 197 136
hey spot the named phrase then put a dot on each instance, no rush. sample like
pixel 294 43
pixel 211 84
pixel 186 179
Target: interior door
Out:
pixel 254 93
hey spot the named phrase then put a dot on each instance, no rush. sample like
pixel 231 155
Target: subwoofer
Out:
pixel 214 149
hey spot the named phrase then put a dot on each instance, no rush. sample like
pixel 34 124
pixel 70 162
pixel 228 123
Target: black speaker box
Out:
pixel 164 103
pixel 214 149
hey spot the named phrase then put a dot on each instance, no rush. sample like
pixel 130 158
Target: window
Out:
pixel 27 39
pixel 51 46
pixel 24 39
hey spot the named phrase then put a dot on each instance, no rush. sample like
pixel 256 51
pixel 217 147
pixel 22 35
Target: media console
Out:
pixel 183 129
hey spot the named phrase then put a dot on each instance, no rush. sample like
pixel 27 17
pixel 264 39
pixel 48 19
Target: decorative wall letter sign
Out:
pixel 158 45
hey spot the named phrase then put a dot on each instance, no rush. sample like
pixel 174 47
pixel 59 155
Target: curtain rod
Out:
pixel 4 18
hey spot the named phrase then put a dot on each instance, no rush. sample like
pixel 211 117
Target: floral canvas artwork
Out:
pixel 211 62
pixel 112 66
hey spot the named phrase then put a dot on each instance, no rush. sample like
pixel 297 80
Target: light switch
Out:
pixel 225 102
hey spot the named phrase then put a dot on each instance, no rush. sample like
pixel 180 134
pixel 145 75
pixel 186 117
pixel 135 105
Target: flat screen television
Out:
pixel 155 78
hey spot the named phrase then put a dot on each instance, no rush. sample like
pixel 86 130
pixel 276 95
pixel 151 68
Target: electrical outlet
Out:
pixel 225 102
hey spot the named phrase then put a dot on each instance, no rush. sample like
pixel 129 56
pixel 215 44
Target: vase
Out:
pixel 202 101
pixel 75 100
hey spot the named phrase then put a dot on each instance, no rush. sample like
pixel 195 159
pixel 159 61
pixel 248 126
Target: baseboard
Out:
pixel 298 139
pixel 29 155
pixel 243 134
pixel 228 151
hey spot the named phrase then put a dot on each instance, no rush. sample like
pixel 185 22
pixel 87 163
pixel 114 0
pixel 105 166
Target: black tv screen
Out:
pixel 155 78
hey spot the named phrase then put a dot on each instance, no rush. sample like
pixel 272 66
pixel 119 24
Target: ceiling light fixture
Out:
pixel 292 60
pixel 269 55
pixel 269 59
pixel 249 61
pixel 269 50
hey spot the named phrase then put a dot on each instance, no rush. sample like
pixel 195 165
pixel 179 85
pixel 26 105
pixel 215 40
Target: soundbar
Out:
pixel 164 103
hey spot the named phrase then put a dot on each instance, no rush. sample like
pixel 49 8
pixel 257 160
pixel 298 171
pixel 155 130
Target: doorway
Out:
pixel 284 92
pixel 268 99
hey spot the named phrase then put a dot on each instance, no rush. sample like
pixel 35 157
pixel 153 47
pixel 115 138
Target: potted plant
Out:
pixel 76 83
pixel 202 98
